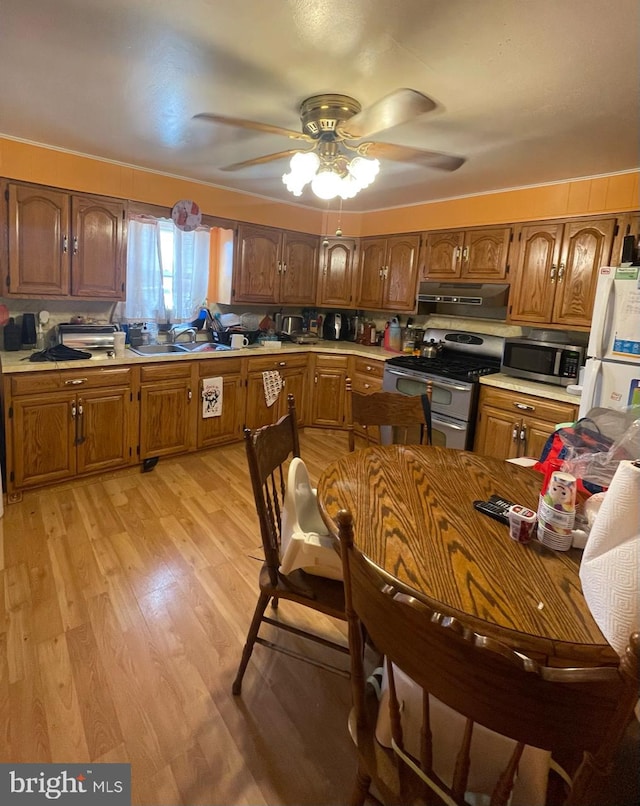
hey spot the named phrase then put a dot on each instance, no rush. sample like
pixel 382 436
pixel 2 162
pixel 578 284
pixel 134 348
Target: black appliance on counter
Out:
pixel 336 327
pixel 454 379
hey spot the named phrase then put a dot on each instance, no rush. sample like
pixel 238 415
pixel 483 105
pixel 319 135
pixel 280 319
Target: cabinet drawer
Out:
pixel 30 383
pixel 331 361
pixel 219 366
pixel 365 366
pixel 166 372
pixel 553 411
pixel 277 362
pixel 365 384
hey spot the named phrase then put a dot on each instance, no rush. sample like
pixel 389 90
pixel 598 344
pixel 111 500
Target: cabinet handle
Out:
pixel 523 433
pixel 458 253
pixel 552 274
pixel 279 267
pixel 65 244
pixel 514 433
pixel 189 394
pixel 73 410
pixel 80 424
pixel 75 245
pixel 561 272
pixel 465 253
pixel 367 386
pixel 282 363
pixel 524 407
pixel 381 272
pixel 315 379
pixel 75 382
pixel 284 268
pixel 386 272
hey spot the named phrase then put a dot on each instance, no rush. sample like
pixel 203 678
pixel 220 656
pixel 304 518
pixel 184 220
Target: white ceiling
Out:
pixel 528 91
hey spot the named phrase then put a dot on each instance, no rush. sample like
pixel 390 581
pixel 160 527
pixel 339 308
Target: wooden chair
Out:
pixel 268 451
pixel 409 415
pixel 580 715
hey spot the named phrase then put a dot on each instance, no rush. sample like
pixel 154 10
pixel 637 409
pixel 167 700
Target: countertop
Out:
pixel 18 361
pixel 547 390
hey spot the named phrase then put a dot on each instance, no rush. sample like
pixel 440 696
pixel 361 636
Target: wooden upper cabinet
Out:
pixel 337 273
pixel 256 266
pixel 298 276
pixel 97 250
pixel 628 224
pixel 475 254
pixel 39 249
pixel 389 273
pixel 273 266
pixel 556 271
pixel 62 244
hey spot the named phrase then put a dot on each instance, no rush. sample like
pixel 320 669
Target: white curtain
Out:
pixel 145 294
pixel 167 272
pixel 190 272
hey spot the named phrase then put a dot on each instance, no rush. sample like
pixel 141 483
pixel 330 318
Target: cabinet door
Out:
pixel 295 383
pixel 257 412
pixel 165 417
pixel 586 246
pixel 228 426
pixel 533 289
pixel 498 433
pixel 373 253
pixel 443 255
pixel 97 269
pixel 44 436
pixel 299 269
pixel 258 265
pixel 484 256
pixel 103 438
pixel 328 392
pixel 337 273
pixel 400 277
pixel 39 247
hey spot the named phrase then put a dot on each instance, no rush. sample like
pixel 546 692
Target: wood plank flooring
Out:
pixel 124 604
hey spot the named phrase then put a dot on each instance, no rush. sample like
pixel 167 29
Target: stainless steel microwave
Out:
pixel 544 361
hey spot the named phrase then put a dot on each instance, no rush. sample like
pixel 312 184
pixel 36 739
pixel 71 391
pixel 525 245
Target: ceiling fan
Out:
pixel 334 127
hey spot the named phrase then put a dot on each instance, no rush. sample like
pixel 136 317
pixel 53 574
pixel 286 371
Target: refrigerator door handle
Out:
pixel 602 315
pixel 590 398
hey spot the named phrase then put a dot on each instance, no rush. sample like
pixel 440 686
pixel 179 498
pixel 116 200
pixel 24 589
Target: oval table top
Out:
pixel 414 517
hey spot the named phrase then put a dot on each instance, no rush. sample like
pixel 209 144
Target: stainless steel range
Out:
pixel 454 377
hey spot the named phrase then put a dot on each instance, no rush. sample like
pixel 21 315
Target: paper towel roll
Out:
pixel 609 568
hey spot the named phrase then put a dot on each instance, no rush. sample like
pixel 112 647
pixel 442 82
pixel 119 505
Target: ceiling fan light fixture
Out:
pixel 330 173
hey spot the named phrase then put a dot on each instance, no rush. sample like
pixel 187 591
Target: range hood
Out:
pixel 479 300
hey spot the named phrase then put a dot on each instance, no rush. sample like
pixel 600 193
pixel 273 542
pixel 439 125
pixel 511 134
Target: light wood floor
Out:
pixel 124 605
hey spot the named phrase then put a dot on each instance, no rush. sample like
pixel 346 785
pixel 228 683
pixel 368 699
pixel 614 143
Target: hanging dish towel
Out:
pixel 272 382
pixel 212 397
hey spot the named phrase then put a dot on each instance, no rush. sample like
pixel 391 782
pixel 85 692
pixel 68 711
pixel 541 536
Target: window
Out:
pixel 167 271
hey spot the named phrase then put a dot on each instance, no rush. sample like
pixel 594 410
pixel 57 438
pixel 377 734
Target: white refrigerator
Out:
pixel 612 369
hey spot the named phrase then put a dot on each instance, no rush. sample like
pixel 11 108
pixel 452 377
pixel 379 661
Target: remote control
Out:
pixel 496 507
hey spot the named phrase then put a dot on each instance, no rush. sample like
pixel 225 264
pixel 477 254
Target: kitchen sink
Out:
pixel 171 349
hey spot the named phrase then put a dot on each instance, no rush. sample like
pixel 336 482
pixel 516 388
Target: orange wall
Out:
pixel 31 163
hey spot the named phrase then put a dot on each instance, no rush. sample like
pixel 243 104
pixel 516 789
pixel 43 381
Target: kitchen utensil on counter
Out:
pixel 239 340
pixel 224 336
pixel 431 349
pixel 29 336
pixel 11 335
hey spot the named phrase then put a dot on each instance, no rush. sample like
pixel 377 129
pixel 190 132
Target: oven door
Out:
pixel 451 398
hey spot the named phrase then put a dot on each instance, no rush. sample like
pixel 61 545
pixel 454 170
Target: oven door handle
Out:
pixel 447 424
pixel 440 384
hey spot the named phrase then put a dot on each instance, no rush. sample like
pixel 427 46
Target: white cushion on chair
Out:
pixel 305 541
pixel 490 751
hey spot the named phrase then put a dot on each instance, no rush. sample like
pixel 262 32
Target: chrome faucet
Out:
pixel 174 333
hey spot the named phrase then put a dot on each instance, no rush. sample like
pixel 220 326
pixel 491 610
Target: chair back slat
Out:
pixel 409 416
pixel 574 713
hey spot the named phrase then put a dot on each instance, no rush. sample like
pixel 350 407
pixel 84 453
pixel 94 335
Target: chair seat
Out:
pixel 327 595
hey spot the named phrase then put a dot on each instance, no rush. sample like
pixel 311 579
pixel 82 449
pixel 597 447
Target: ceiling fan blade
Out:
pixel 261 160
pixel 398 107
pixel 252 124
pixel 433 159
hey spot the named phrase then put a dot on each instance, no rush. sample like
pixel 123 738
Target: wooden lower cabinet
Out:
pixel 166 406
pixel 60 424
pixel 327 390
pixel 511 424
pixel 227 427
pixel 293 372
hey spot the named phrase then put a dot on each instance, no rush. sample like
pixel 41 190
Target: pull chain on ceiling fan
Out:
pixel 336 164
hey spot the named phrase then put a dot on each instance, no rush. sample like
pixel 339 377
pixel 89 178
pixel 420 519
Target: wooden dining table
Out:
pixel 414 518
